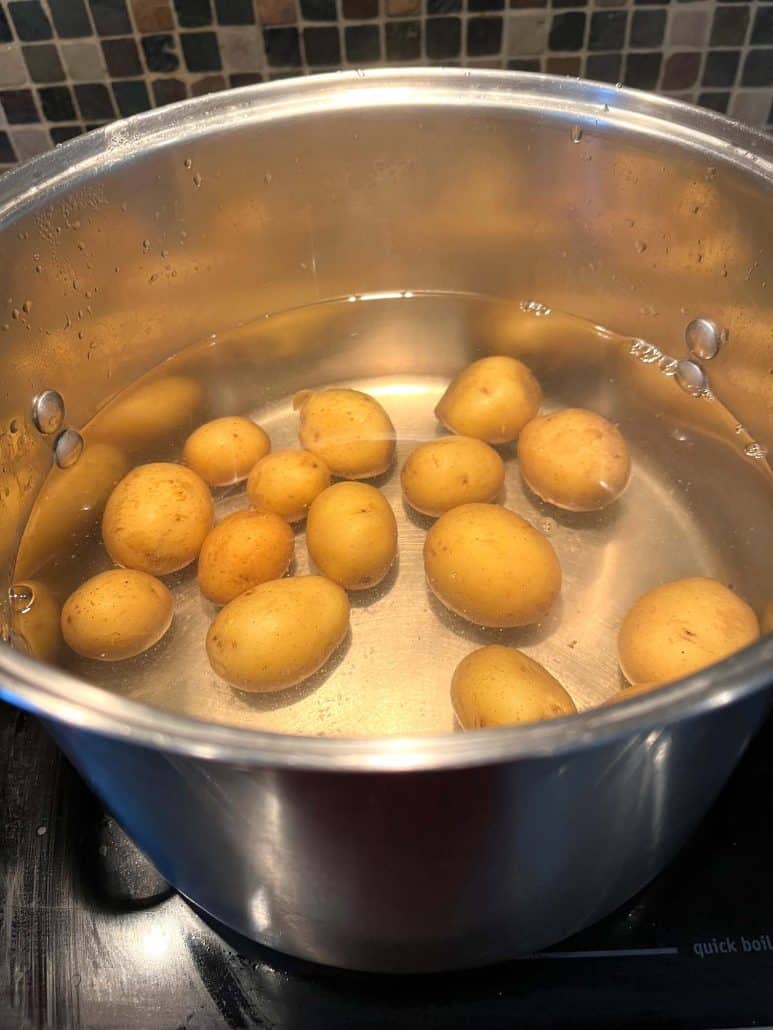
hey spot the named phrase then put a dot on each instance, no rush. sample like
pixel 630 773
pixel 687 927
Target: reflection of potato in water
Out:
pixel 766 619
pixel 69 506
pixel 35 618
pixel 162 411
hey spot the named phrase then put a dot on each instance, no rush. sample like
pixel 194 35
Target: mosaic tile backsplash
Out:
pixel 67 66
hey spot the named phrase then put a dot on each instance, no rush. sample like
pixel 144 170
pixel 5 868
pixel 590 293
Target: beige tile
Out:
pixel 276 12
pixel 30 142
pixel 241 48
pixel 397 8
pixel 527 33
pixel 751 106
pixel 152 15
pixel 13 71
pixel 83 61
pixel 689 27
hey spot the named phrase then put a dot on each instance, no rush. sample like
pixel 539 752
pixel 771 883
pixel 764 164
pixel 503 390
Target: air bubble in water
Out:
pixel 145 246
pixel 197 180
pixel 646 352
pixel 667 365
pixel 21 597
pixel 576 134
pixel 757 451
pixel 188 163
pixel 535 307
pixel 267 178
pixel 640 246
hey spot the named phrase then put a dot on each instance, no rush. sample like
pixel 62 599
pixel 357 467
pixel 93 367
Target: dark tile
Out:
pixel 152 15
pixel 654 3
pixel 563 66
pixel 61 133
pixel 7 153
pixel 193 14
pixel 282 48
pixel 762 30
pixel 484 36
pixel 201 51
pixel 160 54
pixel 168 91
pixel 721 68
pixel 30 20
pixel 19 106
pixel 111 17
pixel 57 104
pixel 758 68
pixel 642 70
pixel 43 63
pixel 569 3
pixel 604 67
pixel 567 31
pixel 131 97
pixel 71 19
pixel 244 79
pixel 94 101
pixel 443 6
pixel 520 5
pixel 360 10
pixel 715 101
pixel 363 44
pixel 6 36
pixel 485 5
pixel 209 84
pixel 729 26
pixel 770 115
pixel 91 126
pixel 607 30
pixel 121 57
pixel 647 29
pixel 403 40
pixel 322 45
pixel 444 37
pixel 681 70
pixel 234 12
pixel 318 10
pixel 527 64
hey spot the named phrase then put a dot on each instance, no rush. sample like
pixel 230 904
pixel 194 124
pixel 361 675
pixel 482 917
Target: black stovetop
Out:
pixel 92 937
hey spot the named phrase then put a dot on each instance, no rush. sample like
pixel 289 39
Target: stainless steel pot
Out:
pixel 393 853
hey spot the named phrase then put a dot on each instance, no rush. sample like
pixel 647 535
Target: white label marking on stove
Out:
pixel 732 946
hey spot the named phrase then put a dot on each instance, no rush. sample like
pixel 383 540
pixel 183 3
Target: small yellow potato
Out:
pixel 442 474
pixel 157 517
pixel 117 614
pixel 69 506
pixel 286 483
pixel 279 633
pixel 245 549
pixel 574 459
pixel 160 412
pixel 224 450
pixel 351 534
pixel 492 400
pixel 349 430
pixel 35 614
pixel 499 686
pixel 490 566
pixel 681 627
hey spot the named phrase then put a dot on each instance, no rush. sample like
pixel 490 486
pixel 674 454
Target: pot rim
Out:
pixel 57 695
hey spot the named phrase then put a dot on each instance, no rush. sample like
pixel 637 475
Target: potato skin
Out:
pixel 574 459
pixel 287 482
pixel 224 450
pixel 157 517
pixel 492 400
pixel 279 633
pixel 442 474
pixel 351 534
pixel 349 430
pixel 490 566
pixel 500 686
pixel 245 549
pixel 681 627
pixel 117 614
pixel 69 506
pixel 157 412
pixel 38 623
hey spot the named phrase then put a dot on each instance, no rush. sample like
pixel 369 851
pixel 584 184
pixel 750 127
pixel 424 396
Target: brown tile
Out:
pixel 359 10
pixel 209 84
pixel 688 28
pixel 563 66
pixel 681 70
pixel 609 3
pixel 396 8
pixel 152 15
pixel 276 12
